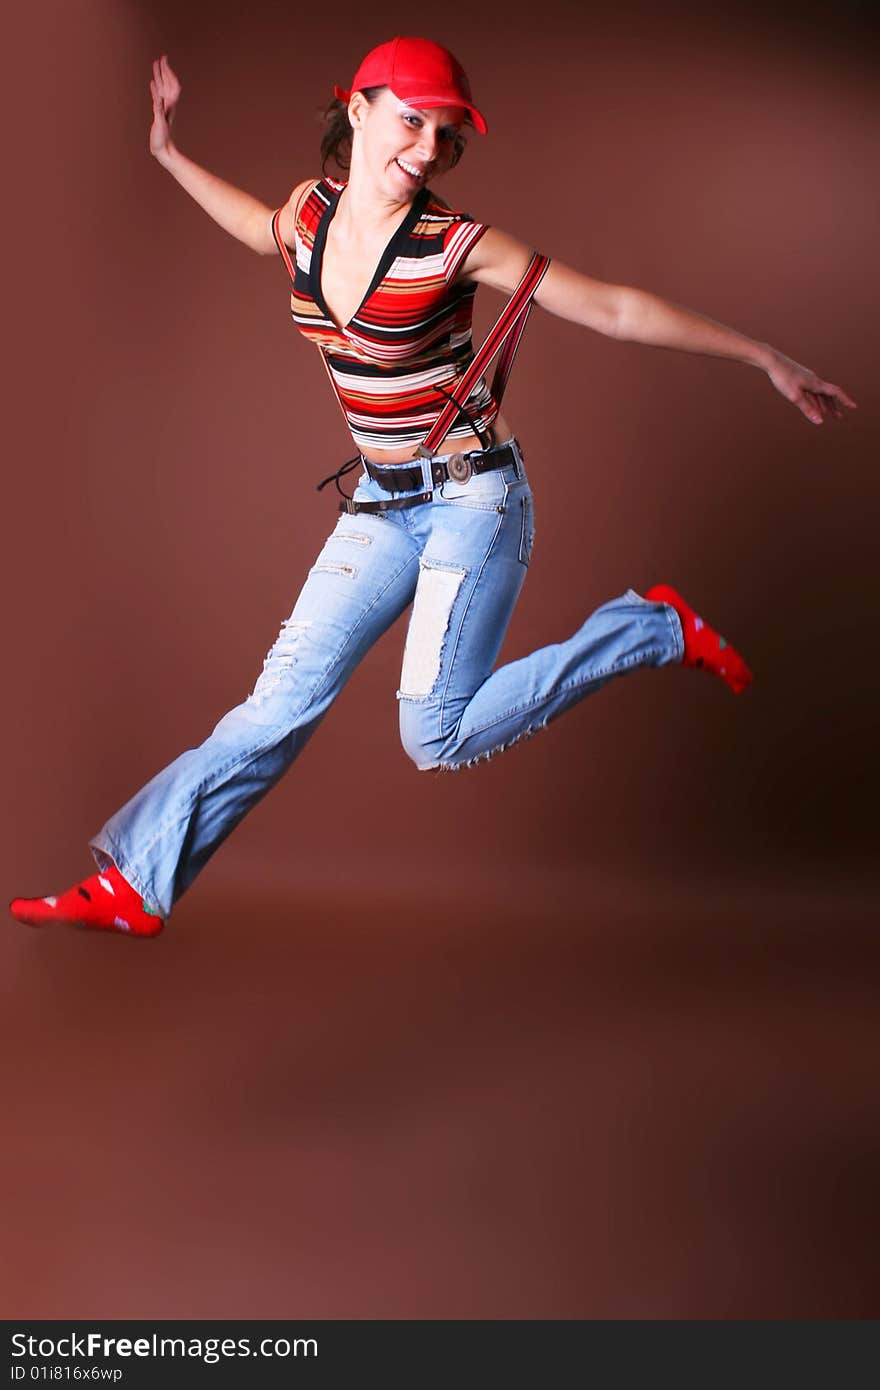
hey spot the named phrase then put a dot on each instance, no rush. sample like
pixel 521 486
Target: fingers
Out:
pixel 167 84
pixel 830 398
pixel 824 402
pixel 810 407
pixel 158 104
pixel 818 400
pixel 156 88
pixel 837 394
pixel 171 78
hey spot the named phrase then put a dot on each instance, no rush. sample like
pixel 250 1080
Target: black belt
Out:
pixel 456 468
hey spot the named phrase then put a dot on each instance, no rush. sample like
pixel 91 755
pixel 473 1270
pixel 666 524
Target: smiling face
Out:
pixel 399 147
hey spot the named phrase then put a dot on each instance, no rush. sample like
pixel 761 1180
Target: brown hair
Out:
pixel 336 140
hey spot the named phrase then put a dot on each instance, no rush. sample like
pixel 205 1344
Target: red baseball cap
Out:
pixel 419 72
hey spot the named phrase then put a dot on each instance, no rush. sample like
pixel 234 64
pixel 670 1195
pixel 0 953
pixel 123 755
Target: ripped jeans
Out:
pixel 460 560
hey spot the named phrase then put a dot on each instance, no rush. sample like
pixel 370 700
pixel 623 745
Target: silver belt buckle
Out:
pixel 459 468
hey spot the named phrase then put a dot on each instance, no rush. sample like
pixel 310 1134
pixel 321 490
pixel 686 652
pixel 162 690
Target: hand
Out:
pixel 165 91
pixel 815 398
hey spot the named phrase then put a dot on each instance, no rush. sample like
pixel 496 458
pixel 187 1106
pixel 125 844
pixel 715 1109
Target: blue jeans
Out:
pixel 460 560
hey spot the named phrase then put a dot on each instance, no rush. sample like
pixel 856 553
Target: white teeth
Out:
pixel 410 169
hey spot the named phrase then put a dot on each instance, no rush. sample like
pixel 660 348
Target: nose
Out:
pixel 427 144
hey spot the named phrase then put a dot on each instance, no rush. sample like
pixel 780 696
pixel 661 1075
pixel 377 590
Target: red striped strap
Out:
pixel 281 244
pixel 508 353
pixel 506 331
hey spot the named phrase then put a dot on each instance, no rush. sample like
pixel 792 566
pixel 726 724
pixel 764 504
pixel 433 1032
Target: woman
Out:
pixel 383 279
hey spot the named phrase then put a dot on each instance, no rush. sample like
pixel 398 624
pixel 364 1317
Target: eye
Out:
pixel 447 133
pixel 414 121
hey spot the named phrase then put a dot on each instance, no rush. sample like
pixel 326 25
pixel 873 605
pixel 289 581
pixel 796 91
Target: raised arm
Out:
pixel 237 212
pixel 633 315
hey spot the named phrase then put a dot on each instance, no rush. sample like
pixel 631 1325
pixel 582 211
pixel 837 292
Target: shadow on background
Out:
pixel 386 1107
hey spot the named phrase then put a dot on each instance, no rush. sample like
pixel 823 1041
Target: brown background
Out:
pixel 602 1041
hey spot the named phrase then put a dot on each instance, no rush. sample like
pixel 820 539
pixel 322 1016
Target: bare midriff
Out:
pixel 460 445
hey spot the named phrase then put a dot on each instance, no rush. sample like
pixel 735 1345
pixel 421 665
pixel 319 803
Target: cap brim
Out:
pixel 478 120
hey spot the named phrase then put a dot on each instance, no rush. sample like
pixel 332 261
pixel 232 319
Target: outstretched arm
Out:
pixel 237 212
pixel 638 316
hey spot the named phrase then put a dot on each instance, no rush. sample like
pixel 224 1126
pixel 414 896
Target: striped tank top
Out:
pixel 410 339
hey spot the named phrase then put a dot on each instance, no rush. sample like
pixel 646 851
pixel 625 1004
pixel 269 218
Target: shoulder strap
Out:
pixel 506 332
pixel 282 245
pixel 276 232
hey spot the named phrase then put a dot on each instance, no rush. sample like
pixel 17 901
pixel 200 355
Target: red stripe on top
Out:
pixel 411 333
